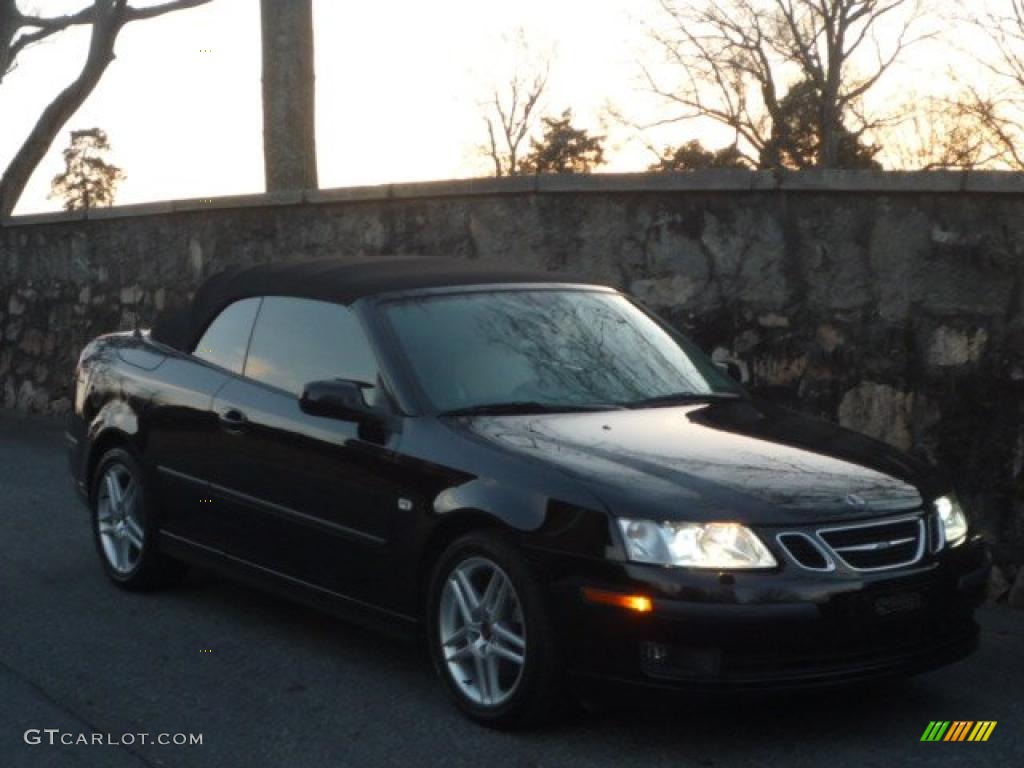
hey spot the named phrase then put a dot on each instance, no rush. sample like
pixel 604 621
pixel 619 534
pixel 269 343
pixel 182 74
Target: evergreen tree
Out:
pixel 564 148
pixel 88 180
pixel 795 140
pixel 692 156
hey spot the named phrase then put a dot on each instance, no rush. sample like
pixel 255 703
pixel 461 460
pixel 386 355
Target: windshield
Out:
pixel 551 349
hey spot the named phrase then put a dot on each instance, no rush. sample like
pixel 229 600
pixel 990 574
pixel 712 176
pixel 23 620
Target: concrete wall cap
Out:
pixel 718 180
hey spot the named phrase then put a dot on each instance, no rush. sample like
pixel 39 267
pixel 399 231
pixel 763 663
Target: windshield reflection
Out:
pixel 546 348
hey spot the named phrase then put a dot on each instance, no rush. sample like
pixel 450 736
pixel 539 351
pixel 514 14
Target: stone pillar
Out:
pixel 289 97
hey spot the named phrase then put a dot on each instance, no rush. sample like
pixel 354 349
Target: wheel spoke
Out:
pixel 122 552
pixel 460 600
pixel 508 636
pixel 493 586
pixel 482 680
pixel 128 497
pixel 113 490
pixel 133 533
pixel 468 591
pixel 491 670
pixel 505 653
pixel 457 635
pixel 498 603
pixel 104 512
pixel 126 551
pixel 106 527
pixel 459 653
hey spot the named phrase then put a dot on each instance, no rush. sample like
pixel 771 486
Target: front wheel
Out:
pixel 490 636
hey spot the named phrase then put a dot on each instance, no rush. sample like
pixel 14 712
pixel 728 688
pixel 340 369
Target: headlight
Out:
pixel 954 521
pixel 694 545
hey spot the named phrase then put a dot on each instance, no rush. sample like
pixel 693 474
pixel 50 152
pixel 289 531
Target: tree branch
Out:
pixel 151 12
pixel 45 26
pixel 107 18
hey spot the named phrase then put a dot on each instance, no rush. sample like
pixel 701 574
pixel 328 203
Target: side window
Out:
pixel 297 341
pixel 227 336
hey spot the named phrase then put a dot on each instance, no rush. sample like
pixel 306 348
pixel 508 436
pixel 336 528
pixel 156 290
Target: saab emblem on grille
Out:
pixel 855 501
pixel 874 545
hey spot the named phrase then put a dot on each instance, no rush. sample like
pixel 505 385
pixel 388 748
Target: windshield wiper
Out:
pixel 682 398
pixel 527 406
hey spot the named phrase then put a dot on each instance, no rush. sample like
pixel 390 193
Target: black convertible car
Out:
pixel 537 475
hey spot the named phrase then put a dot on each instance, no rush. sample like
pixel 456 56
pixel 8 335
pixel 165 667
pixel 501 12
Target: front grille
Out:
pixel 936 534
pixel 805 551
pixel 874 546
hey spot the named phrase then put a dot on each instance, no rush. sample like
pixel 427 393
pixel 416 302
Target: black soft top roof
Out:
pixel 333 280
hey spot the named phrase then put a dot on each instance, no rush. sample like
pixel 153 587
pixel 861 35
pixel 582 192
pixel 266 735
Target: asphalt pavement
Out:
pixel 269 683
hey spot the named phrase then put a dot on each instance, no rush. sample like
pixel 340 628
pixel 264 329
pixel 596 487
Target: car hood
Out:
pixel 734 460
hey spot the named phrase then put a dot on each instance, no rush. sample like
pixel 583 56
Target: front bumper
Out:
pixel 782 629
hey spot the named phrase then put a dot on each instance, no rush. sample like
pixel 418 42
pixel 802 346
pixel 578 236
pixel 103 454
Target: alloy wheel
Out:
pixel 119 518
pixel 482 632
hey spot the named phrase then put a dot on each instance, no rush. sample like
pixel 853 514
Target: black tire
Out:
pixel 149 569
pixel 538 696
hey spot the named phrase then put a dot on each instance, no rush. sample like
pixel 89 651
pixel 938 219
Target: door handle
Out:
pixel 232 420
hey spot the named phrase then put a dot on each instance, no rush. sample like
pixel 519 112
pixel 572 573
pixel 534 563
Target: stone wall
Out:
pixel 889 302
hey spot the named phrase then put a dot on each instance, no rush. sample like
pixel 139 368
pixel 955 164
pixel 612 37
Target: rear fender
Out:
pixel 117 415
pixel 116 423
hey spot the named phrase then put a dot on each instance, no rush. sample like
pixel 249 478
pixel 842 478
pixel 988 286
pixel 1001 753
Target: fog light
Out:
pixel 654 653
pixel 679 662
pixel 638 603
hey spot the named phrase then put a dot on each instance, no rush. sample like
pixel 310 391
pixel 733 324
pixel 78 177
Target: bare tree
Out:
pixel 738 59
pixel 937 132
pixel 19 30
pixel 999 109
pixel 289 95
pixel 512 110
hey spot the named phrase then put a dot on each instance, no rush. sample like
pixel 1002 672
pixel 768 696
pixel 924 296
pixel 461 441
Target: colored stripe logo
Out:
pixel 958 730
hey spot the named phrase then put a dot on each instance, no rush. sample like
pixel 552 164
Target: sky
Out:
pixel 399 90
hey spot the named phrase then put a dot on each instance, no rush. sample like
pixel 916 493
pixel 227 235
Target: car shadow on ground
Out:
pixel 807 717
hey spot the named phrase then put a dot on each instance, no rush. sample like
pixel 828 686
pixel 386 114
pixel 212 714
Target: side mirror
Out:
pixel 732 370
pixel 338 399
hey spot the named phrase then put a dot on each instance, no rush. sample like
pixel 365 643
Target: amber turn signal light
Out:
pixel 638 603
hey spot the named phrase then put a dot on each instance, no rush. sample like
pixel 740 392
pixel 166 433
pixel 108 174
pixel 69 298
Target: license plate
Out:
pixel 898 602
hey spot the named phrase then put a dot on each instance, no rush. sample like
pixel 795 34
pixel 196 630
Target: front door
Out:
pixel 315 495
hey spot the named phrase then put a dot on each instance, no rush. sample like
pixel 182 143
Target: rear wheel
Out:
pixel 123 522
pixel 490 635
